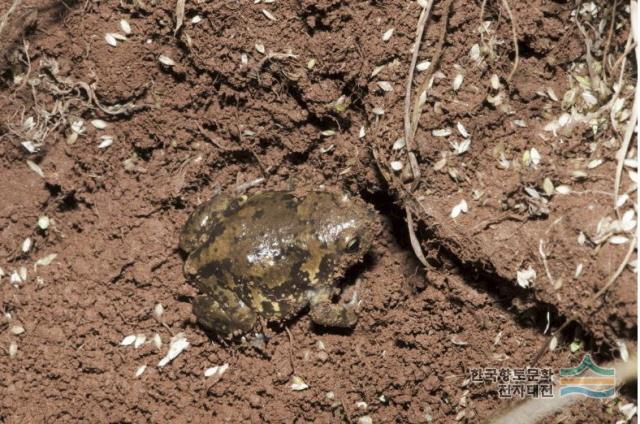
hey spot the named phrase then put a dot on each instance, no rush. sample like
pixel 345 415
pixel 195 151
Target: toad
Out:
pixel 270 255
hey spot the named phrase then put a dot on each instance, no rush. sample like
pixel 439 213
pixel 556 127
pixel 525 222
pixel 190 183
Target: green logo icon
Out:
pixel 588 379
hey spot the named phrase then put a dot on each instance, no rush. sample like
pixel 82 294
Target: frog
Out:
pixel 266 257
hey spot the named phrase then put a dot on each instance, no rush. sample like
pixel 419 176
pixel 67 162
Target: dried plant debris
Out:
pixel 177 345
pixel 216 371
pixel 298 384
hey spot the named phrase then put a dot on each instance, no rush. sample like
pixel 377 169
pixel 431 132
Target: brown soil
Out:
pixel 213 122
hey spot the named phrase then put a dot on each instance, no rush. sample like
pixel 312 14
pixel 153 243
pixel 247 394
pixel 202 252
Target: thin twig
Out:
pixel 631 124
pixel 415 243
pixel 618 87
pixel 417 107
pixel 593 74
pixel 5 17
pixel 422 22
pixel 615 275
pixel 484 4
pixel 610 35
pixel 543 255
pixel 505 3
pixel 291 349
pixel 26 77
pixel 623 57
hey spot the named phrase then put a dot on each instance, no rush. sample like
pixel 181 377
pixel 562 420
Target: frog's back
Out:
pixel 258 245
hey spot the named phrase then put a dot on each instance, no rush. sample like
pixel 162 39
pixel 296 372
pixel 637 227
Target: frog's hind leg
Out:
pixel 324 312
pixel 202 220
pixel 223 312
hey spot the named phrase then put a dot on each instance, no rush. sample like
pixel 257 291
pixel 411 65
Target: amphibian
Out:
pixel 271 255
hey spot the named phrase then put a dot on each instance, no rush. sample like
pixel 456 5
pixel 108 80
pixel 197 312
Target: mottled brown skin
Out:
pixel 272 254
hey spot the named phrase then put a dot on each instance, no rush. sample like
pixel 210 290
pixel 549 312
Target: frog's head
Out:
pixel 345 225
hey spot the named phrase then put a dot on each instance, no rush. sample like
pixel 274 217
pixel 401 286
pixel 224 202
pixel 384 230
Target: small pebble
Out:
pixel 255 401
pixel 365 420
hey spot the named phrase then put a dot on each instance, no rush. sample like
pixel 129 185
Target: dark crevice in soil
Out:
pixel 527 51
pixel 527 311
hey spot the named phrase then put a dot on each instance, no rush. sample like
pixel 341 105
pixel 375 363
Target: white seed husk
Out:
pixel 15 278
pixel 110 39
pixel 589 98
pixel 43 222
pixel 128 340
pixel 125 27
pixel 377 70
pixel 443 132
pixel 216 371
pixel 462 130
pixel 396 165
pixel 166 60
pixel 13 350
pixel 119 36
pixel 440 164
pixel 141 369
pixel 105 141
pixel 177 345
pixel 624 352
pixel 461 207
pixel 26 245
pixel 618 240
pixel 139 341
pixel 179 13
pixel 23 273
pixel 532 192
pixel 157 341
pixel 298 384
pixel 462 147
pixel 423 66
pixel 457 82
pixel 622 200
pixel 16 329
pixel 45 261
pixel 385 86
pixel 399 144
pixel 474 52
pixel 548 187
pixel 525 277
pixel 387 34
pixel 535 156
pixel 553 343
pixel 268 14
pixel 495 82
pixel 365 419
pixel 594 163
pixel 35 168
pixel 519 123
pixel 29 146
pixel 99 124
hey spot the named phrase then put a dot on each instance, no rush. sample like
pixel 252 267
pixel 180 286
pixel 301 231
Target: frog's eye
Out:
pixel 353 245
